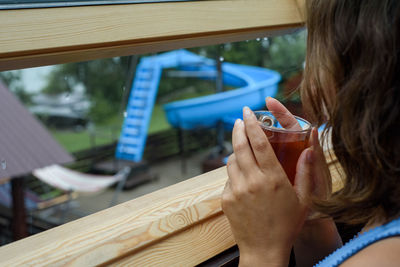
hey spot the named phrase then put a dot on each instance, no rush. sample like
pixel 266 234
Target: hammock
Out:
pixel 73 181
pixel 69 180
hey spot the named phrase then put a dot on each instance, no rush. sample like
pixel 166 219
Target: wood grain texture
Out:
pixel 179 225
pixel 35 37
pixel 301 4
pixel 124 229
pixel 190 247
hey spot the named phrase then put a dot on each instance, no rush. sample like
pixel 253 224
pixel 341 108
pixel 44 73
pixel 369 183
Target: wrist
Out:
pixel 264 258
pixel 318 230
pixel 315 225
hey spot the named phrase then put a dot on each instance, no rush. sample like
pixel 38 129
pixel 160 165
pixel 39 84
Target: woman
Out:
pixel 351 83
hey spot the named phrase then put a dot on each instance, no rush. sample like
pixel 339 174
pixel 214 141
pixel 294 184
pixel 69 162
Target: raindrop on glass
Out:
pixel 265 42
pixel 228 46
pixel 221 59
pixel 3 164
pixel 258 39
pixel 125 114
pixel 247 41
pixel 123 88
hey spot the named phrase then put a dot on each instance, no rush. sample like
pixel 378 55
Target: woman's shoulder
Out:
pixel 377 246
pixel 385 252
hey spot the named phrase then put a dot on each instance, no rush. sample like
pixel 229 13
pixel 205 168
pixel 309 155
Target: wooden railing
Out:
pixel 179 225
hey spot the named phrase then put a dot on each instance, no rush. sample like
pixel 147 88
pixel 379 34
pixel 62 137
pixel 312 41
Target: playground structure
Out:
pixel 253 85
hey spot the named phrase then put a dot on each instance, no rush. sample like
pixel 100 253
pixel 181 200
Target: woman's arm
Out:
pixel 265 211
pixel 317 239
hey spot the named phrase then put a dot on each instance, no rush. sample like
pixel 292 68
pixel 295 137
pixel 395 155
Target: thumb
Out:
pixel 320 171
pixel 303 183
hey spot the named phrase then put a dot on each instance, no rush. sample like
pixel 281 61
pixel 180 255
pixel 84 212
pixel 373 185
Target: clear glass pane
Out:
pixel 86 107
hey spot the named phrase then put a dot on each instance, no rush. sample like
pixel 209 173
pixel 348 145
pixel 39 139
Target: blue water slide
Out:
pixel 253 85
pixel 142 97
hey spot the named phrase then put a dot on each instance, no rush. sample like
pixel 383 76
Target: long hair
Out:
pixel 352 82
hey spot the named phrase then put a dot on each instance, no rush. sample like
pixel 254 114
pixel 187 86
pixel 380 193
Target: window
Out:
pixel 40 37
pixel 84 104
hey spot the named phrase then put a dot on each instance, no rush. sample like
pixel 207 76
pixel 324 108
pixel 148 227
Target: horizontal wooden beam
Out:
pixel 181 224
pixel 166 223
pixel 36 37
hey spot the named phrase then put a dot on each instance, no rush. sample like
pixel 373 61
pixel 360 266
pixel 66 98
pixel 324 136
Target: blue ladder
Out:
pixel 142 97
pixel 138 112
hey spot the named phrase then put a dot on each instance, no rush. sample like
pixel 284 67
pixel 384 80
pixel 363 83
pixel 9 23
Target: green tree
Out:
pixel 285 54
pixel 102 79
pixel 13 80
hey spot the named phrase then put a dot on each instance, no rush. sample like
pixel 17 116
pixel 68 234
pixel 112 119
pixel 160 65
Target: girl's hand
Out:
pixel 319 236
pixel 320 176
pixel 265 212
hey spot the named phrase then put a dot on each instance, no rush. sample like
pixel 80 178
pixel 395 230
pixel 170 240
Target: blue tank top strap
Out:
pixel 361 241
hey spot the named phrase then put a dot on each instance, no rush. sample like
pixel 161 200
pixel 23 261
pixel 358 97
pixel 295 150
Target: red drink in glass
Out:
pixel 288 144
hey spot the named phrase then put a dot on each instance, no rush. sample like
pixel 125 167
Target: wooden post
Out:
pixel 219 83
pixel 19 227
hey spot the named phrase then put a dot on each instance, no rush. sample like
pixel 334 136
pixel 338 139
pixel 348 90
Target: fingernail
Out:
pixel 238 122
pixel 246 112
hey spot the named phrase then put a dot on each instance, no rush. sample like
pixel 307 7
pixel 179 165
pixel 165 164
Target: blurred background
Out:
pixel 84 105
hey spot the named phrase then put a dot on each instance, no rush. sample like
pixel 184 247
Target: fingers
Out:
pixel 235 178
pixel 241 146
pixel 274 105
pixel 261 148
pixel 304 183
pixel 320 171
pixel 282 114
pixel 314 141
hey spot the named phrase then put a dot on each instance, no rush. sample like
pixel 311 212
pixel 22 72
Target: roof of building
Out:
pixel 25 144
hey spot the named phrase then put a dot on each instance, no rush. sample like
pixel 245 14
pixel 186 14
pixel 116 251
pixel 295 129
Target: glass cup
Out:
pixel 287 142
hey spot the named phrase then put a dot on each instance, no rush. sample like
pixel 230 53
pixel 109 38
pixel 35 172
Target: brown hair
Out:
pixel 352 82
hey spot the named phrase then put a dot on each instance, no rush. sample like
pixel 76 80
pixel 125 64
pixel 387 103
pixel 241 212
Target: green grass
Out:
pixel 107 132
pixel 158 121
pixel 74 141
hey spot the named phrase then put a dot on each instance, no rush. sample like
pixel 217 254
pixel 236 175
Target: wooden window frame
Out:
pixel 48 36
pixel 182 223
